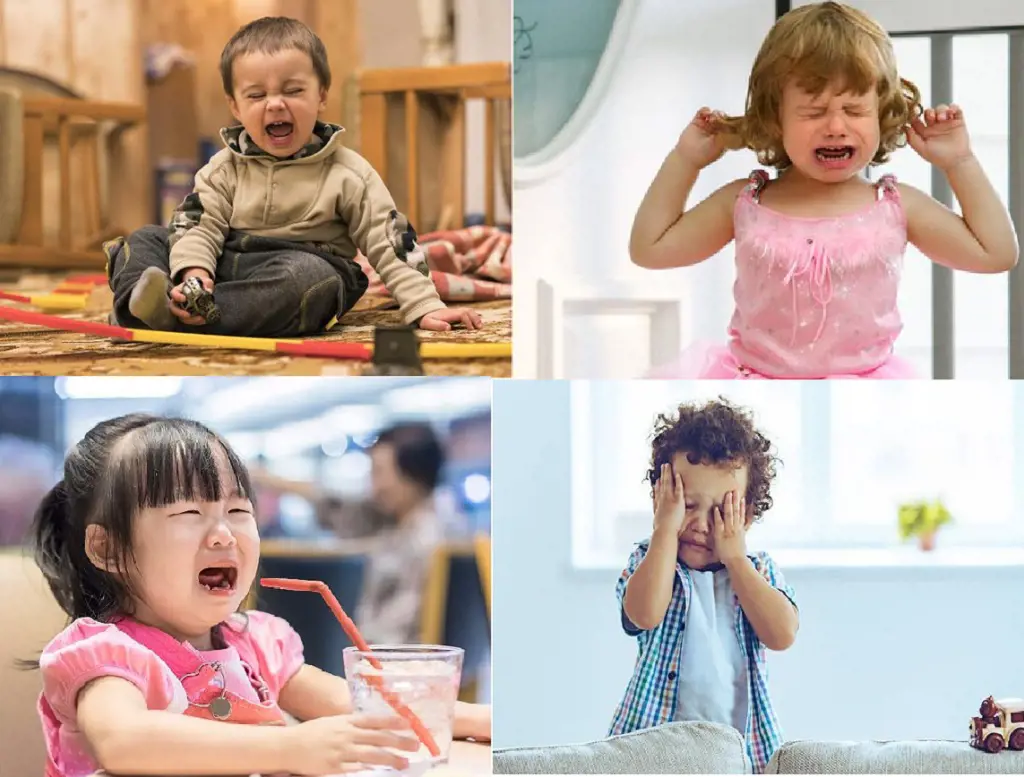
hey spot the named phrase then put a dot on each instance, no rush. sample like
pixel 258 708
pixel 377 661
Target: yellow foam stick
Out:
pixel 430 350
pixel 59 301
pixel 427 350
pixel 206 341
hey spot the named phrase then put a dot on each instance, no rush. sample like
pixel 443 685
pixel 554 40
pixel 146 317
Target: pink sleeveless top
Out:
pixel 238 683
pixel 816 297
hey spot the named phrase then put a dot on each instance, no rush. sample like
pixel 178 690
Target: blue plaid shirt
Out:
pixel 651 695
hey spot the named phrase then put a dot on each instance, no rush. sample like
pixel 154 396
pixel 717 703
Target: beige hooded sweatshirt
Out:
pixel 325 194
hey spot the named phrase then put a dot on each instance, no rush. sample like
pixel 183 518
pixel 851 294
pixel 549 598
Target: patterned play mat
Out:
pixel 471 266
pixel 30 350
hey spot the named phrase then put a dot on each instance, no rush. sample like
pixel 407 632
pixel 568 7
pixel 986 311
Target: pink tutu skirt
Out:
pixel 716 362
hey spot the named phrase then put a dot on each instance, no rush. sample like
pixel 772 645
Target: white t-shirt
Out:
pixel 713 667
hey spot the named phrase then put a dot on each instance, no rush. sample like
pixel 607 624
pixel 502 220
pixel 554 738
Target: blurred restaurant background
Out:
pixel 379 487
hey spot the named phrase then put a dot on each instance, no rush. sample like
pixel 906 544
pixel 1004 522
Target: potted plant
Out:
pixel 923 520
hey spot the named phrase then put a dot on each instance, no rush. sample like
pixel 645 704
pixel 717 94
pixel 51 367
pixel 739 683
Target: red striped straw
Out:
pixel 315 586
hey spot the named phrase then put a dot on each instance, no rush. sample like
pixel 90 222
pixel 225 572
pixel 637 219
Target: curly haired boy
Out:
pixel 703 609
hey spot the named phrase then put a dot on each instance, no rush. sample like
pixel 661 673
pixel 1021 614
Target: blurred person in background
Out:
pixel 406 465
pixel 400 526
pixel 335 516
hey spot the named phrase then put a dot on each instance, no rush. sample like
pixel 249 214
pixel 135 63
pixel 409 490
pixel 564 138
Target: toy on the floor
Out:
pixel 199 301
pixel 396 351
pixel 1000 724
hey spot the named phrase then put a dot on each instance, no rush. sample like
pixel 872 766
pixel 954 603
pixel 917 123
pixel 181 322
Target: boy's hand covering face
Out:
pixel 730 529
pixel 669 501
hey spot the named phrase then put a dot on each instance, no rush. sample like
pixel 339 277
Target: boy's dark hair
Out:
pixel 418 453
pixel 121 466
pixel 270 35
pixel 716 432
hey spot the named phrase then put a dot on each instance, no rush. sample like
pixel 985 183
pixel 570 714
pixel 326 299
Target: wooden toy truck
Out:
pixel 1001 724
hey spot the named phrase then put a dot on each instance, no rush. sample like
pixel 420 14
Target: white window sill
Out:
pixel 909 556
pixel 901 558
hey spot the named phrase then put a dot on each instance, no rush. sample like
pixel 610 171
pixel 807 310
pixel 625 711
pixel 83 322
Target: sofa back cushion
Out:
pixel 675 748
pixel 909 757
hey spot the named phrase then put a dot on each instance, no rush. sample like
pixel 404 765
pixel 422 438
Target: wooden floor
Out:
pixel 31 350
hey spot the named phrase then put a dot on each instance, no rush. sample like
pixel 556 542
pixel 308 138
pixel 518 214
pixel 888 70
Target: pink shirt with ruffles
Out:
pixel 88 649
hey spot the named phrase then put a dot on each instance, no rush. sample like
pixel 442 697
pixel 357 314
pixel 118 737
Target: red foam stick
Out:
pixel 15 297
pixel 327 349
pixel 311 348
pixel 64 324
pixel 94 279
pixel 315 586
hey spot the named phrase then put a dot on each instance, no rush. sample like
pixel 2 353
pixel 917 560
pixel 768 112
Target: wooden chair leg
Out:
pixel 91 187
pixel 412 135
pixel 64 143
pixel 31 231
pixel 373 112
pixel 490 157
pixel 95 230
pixel 454 175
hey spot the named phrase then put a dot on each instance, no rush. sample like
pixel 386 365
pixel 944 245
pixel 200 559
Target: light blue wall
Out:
pixel 882 654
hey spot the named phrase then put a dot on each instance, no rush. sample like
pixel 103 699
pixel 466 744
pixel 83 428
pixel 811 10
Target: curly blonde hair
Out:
pixel 822 44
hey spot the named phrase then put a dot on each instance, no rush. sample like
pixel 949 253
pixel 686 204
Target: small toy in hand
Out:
pixel 1001 723
pixel 198 301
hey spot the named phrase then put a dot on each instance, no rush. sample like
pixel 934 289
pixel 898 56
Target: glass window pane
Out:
pixel 893 443
pixel 981 88
pixel 556 49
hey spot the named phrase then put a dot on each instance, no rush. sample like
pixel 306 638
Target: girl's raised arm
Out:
pixel 665 234
pixel 980 241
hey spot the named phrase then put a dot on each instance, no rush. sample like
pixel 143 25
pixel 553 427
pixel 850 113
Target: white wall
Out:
pixel 881 654
pixel 572 227
pixel 929 15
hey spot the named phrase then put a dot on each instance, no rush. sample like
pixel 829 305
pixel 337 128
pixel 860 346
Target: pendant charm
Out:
pixel 220 708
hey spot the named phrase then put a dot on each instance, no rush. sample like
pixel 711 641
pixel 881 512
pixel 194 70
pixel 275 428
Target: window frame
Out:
pixel 592 545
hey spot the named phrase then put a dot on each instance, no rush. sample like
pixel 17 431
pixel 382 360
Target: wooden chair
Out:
pixel 455 612
pixel 411 126
pixel 482 548
pixel 30 608
pixel 52 137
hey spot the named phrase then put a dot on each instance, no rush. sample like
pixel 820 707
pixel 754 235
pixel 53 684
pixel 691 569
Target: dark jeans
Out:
pixel 264 287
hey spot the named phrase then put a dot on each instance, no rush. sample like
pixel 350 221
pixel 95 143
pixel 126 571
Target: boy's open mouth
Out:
pixel 834 153
pixel 221 578
pixel 279 129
